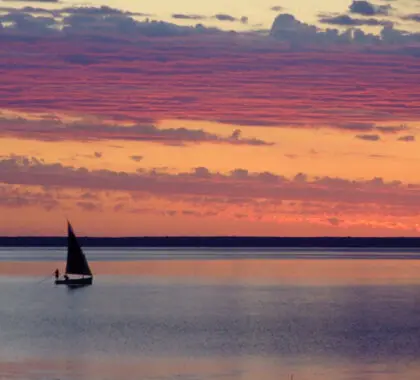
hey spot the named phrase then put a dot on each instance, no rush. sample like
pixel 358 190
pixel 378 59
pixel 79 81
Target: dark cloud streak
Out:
pixel 346 20
pixel 367 137
pixel 182 16
pixel 407 138
pixel 366 8
pixel 136 158
pixel 50 130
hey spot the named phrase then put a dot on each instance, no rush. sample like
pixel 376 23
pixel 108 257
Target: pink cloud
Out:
pixel 236 185
pixel 164 71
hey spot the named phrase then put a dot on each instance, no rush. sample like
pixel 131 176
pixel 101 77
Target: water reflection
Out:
pixel 198 319
pixel 294 272
pixel 232 368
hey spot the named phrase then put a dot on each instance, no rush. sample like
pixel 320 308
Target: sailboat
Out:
pixel 76 263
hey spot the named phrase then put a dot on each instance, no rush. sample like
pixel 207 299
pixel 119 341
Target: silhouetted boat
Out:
pixel 76 263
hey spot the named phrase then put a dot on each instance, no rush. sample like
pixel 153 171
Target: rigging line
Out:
pixel 25 290
pixel 44 279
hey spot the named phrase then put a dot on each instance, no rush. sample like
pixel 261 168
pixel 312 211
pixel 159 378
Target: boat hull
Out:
pixel 75 282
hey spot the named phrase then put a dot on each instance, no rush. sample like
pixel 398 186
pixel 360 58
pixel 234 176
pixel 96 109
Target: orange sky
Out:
pixel 156 131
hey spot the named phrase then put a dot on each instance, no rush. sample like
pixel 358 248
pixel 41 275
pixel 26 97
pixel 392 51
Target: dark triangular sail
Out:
pixel 76 260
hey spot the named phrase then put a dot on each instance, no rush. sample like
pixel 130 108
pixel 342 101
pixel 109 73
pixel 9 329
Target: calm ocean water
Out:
pixel 212 314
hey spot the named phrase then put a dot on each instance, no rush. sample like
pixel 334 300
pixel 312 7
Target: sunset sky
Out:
pixel 257 117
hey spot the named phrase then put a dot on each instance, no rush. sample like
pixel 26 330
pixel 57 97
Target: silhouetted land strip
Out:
pixel 217 241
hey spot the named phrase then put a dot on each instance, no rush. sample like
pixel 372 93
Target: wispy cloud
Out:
pixel 56 130
pixel 89 206
pixel 15 197
pixel 237 184
pixel 201 193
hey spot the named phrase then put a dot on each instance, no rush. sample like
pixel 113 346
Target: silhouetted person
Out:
pixel 57 274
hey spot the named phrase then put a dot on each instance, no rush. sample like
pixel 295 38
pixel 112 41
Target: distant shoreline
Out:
pixel 216 242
